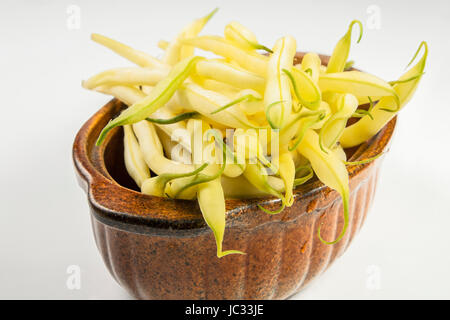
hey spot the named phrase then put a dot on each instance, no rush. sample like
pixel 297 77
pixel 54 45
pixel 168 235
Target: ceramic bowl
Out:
pixel 159 248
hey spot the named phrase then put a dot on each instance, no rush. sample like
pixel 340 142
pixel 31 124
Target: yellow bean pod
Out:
pixel 257 175
pixel 248 60
pixel 241 188
pixel 366 128
pixel 311 61
pixel 211 200
pixel 277 96
pixel 134 160
pixel 158 97
pixel 287 174
pixel 138 57
pixel 330 170
pixel 130 96
pixel 163 44
pixel 305 89
pixel 341 51
pixel 227 73
pixel 176 51
pixel 153 152
pixel 242 37
pixel 205 102
pixel 218 86
pixel 303 120
pixel 158 186
pixel 126 76
pixel 252 104
pixel 335 125
pixel 357 83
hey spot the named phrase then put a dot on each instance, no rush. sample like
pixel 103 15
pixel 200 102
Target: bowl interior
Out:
pixel 115 163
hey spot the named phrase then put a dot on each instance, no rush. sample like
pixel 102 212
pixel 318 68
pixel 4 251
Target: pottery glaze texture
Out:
pixel 160 248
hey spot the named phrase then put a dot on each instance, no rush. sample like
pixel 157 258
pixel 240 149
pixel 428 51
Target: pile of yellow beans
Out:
pixel 283 123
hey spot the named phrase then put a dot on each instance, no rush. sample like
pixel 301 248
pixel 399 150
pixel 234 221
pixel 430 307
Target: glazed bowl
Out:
pixel 158 248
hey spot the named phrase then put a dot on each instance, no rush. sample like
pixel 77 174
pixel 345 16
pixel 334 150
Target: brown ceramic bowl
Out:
pixel 158 248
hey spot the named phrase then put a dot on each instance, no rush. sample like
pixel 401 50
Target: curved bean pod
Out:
pixel 335 125
pixel 248 60
pixel 176 51
pixel 357 83
pixel 341 51
pixel 230 74
pixel 330 170
pixel 153 152
pixel 365 128
pixel 278 89
pixel 138 57
pixel 134 160
pixel 126 76
pixel 243 37
pixel 312 62
pixel 159 96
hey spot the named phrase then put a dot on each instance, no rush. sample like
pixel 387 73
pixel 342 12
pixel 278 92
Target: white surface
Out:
pixel 45 225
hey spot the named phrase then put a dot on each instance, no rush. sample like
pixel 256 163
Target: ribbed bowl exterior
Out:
pixel 282 256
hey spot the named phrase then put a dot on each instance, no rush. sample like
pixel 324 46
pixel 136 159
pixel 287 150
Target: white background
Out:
pixel 44 220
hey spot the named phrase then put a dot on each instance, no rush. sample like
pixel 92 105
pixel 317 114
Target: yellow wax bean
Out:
pixel 243 37
pixel 341 51
pixel 211 200
pixel 176 51
pixel 163 44
pixel 248 60
pixel 329 169
pixel 249 147
pixel 153 152
pixel 192 31
pixel 233 170
pixel 277 96
pixel 127 76
pixel 158 186
pixel 205 102
pixel 253 105
pixel 138 57
pixel 305 89
pixel 130 96
pixel 256 174
pixel 335 125
pixel 326 109
pixel 299 122
pixel 340 153
pixel 171 145
pixel 134 160
pixel 227 73
pixel 287 174
pixel 241 188
pixel 158 97
pixel 356 83
pixel 218 86
pixel 366 128
pixel 174 187
pixel 312 62
pixel 153 187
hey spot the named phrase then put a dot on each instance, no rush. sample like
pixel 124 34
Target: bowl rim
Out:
pixel 132 210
